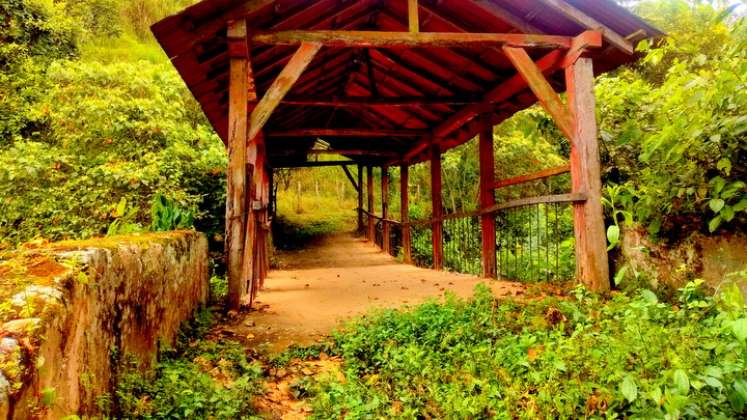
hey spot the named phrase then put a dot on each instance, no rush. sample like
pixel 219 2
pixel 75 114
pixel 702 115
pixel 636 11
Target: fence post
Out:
pixel 487 197
pixel 438 212
pixel 360 198
pixel 404 175
pixel 370 189
pixel 591 243
pixel 385 240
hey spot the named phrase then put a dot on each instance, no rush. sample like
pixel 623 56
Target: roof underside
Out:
pixel 447 79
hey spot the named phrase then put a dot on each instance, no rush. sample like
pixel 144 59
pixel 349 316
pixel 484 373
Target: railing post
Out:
pixel 385 240
pixel 591 243
pixel 404 175
pixel 438 224
pixel 360 198
pixel 487 197
pixel 370 190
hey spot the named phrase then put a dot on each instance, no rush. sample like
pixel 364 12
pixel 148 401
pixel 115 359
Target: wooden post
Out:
pixel 487 197
pixel 370 193
pixel 360 199
pixel 412 12
pixel 404 175
pixel 236 174
pixel 438 212
pixel 591 244
pixel 385 244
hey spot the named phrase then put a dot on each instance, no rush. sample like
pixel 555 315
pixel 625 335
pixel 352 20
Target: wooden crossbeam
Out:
pixel 545 173
pixel 282 84
pixel 546 95
pixel 345 132
pixel 364 101
pixel 356 186
pixel 319 164
pixel 382 39
pixel 549 63
pixel 576 15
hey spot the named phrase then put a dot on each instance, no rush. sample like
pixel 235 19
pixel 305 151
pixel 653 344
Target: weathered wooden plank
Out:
pixel 404 208
pixel 549 99
pixel 370 195
pixel 382 39
pixel 236 174
pixel 588 39
pixel 437 209
pixel 487 197
pixel 588 219
pixel 576 15
pixel 362 101
pixel 413 20
pixel 316 164
pixel 385 208
pixel 345 132
pixel 360 198
pixel 280 87
pixel 545 173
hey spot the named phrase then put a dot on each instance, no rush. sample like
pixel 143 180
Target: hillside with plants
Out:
pixel 99 136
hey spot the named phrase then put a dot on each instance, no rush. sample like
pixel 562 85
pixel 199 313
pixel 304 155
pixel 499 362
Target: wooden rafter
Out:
pixel 412 16
pixel 281 86
pixel 380 39
pixel 576 15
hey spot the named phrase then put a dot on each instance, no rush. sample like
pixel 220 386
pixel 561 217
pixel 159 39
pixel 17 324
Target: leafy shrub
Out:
pixel 558 358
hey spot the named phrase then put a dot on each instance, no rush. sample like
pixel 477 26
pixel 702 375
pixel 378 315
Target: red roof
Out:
pixel 448 79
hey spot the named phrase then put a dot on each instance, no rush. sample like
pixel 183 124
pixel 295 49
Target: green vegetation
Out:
pixel 565 357
pixel 200 378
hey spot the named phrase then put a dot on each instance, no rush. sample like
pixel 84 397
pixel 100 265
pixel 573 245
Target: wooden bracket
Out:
pixel 350 177
pixel 282 84
pixel 541 88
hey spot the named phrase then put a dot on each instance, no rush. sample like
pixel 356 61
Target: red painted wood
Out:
pixel 360 198
pixel 236 186
pixel 386 245
pixel 487 198
pixel 404 194
pixel 370 195
pixel 591 243
pixel 438 210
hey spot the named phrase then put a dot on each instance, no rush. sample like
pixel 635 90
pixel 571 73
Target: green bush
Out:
pixel 553 358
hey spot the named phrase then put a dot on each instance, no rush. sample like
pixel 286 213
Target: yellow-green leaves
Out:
pixel 629 389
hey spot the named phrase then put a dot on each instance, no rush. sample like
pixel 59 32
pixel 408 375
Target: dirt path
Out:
pixel 336 278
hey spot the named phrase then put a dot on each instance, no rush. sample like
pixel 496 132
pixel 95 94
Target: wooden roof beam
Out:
pixel 500 13
pixel 581 18
pixel 280 87
pixel 381 39
pixel 363 101
pixel 345 132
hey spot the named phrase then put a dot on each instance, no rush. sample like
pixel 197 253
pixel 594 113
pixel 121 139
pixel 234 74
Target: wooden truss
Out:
pixel 249 173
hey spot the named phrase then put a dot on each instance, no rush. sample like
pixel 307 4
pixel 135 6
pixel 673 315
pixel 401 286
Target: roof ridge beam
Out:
pixel 346 132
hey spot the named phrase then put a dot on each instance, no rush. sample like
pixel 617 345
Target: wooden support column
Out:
pixel 385 245
pixel 438 210
pixel 591 243
pixel 412 16
pixel 360 198
pixel 487 197
pixel 370 194
pixel 404 197
pixel 236 182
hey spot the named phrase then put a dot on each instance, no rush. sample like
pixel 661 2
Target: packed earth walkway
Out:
pixel 337 277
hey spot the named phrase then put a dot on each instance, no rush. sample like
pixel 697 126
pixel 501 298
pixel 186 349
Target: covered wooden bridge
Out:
pixel 393 83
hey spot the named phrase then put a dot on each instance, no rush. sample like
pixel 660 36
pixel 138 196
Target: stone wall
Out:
pixel 719 260
pixel 71 310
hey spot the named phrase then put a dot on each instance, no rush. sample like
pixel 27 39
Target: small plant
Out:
pixel 167 215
